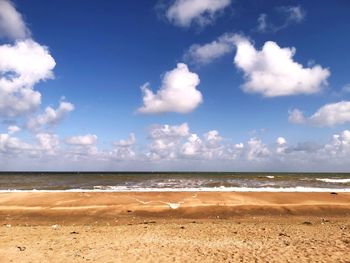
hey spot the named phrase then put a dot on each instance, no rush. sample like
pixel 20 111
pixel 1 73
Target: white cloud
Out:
pixel 176 142
pixel 50 116
pixel 48 142
pixel 273 72
pixel 256 150
pixel 281 145
pixel 213 139
pixel 207 53
pixel 235 151
pixel 262 23
pixel 296 116
pixel 339 146
pixel 328 115
pixel 12 25
pixel 22 65
pixel 281 141
pixel 193 146
pixel 82 140
pixel 11 145
pixel 131 140
pixel 210 147
pixel 123 149
pixel 291 15
pixel 168 131
pixel 165 140
pixel 13 129
pixel 202 12
pixel 295 14
pixel 83 147
pixel 178 93
pixel 174 147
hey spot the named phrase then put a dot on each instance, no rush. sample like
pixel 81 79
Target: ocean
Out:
pixel 170 181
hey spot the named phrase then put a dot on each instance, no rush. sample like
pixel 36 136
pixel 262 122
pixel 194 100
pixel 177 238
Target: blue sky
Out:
pixel 232 85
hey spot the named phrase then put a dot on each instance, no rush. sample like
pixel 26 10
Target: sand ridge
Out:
pixel 68 207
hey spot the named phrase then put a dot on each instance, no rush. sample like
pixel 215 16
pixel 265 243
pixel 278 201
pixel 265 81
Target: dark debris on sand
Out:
pixel 21 248
pixel 307 223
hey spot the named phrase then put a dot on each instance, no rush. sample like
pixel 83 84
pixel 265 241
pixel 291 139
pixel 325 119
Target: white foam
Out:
pixel 200 189
pixel 270 176
pixel 173 205
pixel 334 180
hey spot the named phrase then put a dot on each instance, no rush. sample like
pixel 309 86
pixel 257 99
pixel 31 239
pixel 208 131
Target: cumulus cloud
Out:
pixel 256 149
pixel 193 145
pixel 339 146
pixel 177 93
pixel 165 140
pixel 281 145
pixel 209 147
pixel 235 152
pixel 50 116
pixel 213 139
pixel 13 129
pixel 168 131
pixel 48 142
pixel 11 145
pixel 207 53
pixel 178 143
pixel 12 25
pixel 123 149
pixel 22 65
pixel 131 140
pixel 183 13
pixel 82 147
pixel 291 15
pixel 272 71
pixel 296 116
pixel 170 142
pixel 328 115
pixel 281 141
pixel 82 140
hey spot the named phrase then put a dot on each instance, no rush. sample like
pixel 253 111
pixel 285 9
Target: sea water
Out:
pixel 169 181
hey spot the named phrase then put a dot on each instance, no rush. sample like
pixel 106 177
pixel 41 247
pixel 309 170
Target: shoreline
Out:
pixel 298 189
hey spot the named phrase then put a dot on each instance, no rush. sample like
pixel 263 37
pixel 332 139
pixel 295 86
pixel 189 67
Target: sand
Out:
pixel 174 227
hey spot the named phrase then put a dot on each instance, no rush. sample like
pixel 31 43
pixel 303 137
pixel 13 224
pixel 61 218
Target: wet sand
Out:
pixel 174 227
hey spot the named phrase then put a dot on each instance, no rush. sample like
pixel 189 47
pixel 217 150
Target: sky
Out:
pixel 178 85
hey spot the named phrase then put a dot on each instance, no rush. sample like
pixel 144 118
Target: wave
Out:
pixel 334 180
pixel 201 189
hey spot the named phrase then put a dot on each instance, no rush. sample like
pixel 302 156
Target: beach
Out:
pixel 174 227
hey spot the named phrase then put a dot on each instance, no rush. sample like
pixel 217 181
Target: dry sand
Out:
pixel 174 227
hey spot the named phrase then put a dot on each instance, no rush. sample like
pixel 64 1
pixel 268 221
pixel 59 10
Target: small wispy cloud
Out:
pixel 291 15
pixel 184 13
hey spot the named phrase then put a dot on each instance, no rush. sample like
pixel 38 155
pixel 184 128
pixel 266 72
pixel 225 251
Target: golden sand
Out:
pixel 174 227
